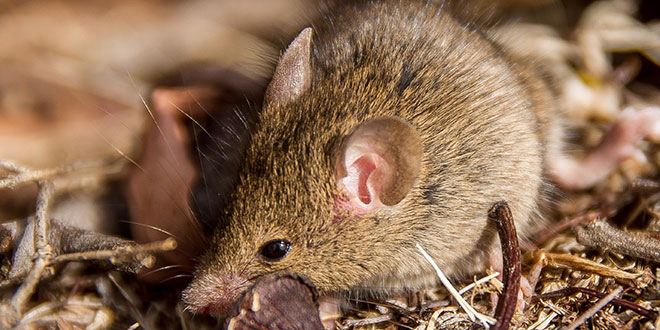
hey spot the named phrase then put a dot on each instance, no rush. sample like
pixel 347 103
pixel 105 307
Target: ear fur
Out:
pixel 293 72
pixel 379 163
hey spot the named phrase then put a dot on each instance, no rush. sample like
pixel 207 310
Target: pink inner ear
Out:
pixel 362 182
pixel 365 168
pixel 379 165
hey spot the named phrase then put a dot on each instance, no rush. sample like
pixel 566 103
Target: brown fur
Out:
pixel 483 124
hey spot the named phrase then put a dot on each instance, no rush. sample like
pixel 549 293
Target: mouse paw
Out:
pixel 617 145
pixel 525 294
pixel 527 281
pixel 329 311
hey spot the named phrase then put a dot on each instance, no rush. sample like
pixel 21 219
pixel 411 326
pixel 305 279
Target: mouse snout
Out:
pixel 214 294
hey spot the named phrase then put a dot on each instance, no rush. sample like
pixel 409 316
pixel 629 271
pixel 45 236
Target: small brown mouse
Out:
pixel 386 125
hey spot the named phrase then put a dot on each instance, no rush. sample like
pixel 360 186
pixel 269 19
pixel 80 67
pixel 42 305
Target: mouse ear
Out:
pixel 292 74
pixel 379 163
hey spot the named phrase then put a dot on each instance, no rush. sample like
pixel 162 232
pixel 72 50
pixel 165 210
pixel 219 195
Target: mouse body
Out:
pixel 386 125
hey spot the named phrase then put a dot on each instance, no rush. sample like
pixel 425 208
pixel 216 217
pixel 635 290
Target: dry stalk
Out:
pixel 619 302
pixel 574 262
pixel 44 252
pixel 601 235
pixel 133 300
pixel 594 309
pixel 13 167
pixel 473 315
pixel 478 282
pixel 121 252
pixel 22 175
pixel 501 215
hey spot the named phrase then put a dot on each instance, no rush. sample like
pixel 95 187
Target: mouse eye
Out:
pixel 275 250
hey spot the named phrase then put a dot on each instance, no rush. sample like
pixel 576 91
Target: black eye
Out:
pixel 275 250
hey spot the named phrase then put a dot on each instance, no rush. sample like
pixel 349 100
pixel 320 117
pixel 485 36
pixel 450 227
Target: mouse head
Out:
pixel 313 195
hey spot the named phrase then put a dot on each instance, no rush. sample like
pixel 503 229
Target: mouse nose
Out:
pixel 214 294
pixel 216 309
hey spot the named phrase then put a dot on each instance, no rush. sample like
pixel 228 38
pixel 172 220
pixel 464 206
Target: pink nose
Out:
pixel 214 295
pixel 218 309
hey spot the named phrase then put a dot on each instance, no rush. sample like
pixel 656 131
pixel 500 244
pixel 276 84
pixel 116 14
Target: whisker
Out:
pixel 113 115
pixel 149 226
pixel 180 251
pixel 175 277
pixel 243 272
pixel 234 133
pixel 195 121
pixel 160 269
pixel 202 237
pixel 202 177
pixel 153 118
pixel 208 113
pixel 241 117
pixel 187 187
pixel 121 153
pixel 151 114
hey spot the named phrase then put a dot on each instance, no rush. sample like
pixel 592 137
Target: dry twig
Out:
pixel 601 235
pixel 50 243
pixel 619 302
pixel 121 252
pixel 21 175
pixel 44 254
pixel 469 310
pixel 594 309
pixel 574 262
pixel 501 215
